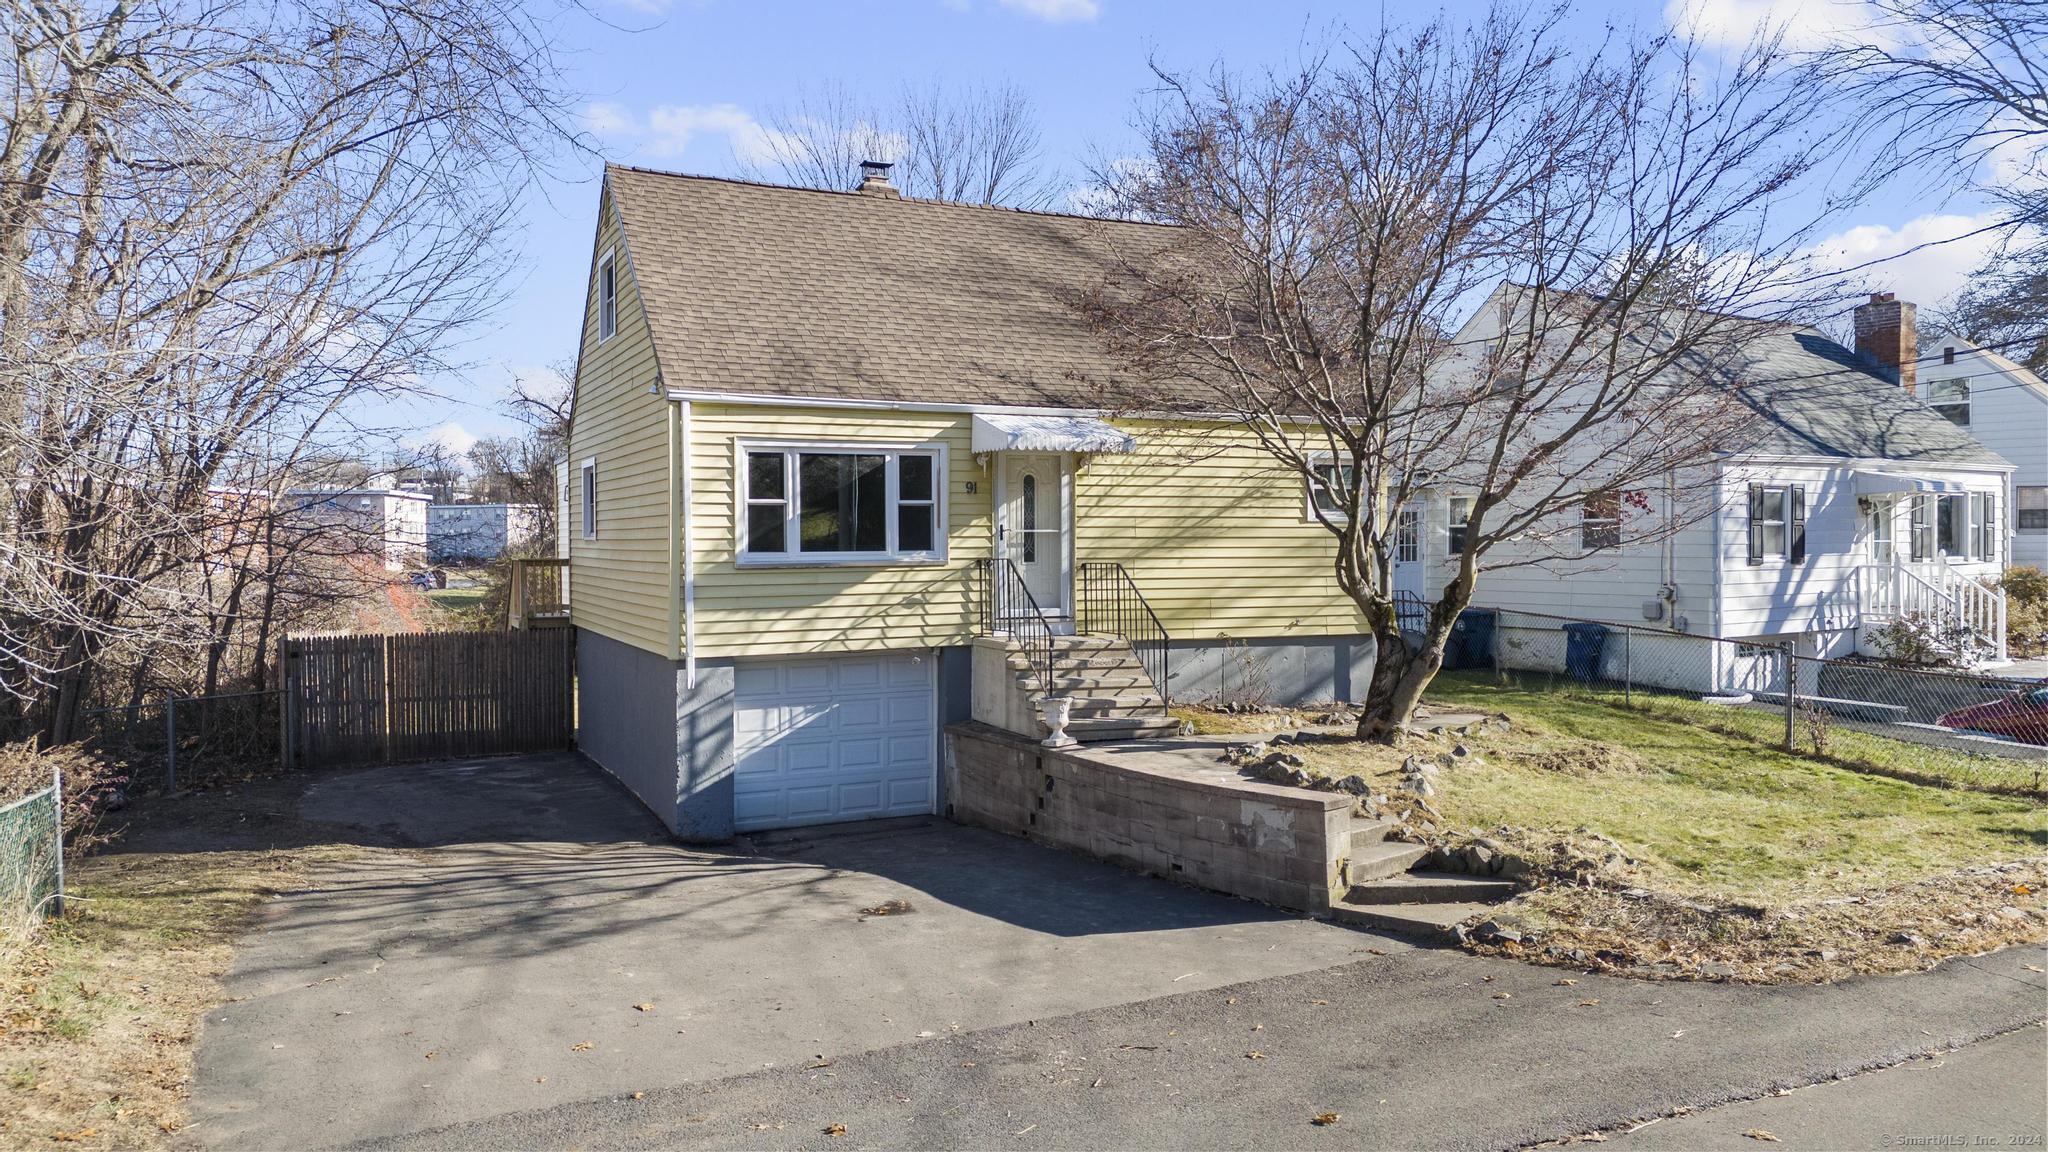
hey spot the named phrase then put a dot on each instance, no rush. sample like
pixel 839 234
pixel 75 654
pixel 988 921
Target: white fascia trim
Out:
pixel 1880 463
pixel 766 400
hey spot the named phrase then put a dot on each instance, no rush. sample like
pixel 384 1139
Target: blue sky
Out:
pixel 683 84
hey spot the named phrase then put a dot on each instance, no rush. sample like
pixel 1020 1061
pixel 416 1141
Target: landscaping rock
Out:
pixel 1907 939
pixel 1286 760
pixel 1491 932
pixel 1480 860
pixel 1355 784
pixel 1422 787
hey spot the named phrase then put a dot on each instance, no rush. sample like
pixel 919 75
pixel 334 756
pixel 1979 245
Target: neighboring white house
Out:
pixel 1854 503
pixel 376 520
pixel 465 532
pixel 2005 406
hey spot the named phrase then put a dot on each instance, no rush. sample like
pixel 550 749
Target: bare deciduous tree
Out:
pixel 1945 83
pixel 975 145
pixel 221 227
pixel 1335 224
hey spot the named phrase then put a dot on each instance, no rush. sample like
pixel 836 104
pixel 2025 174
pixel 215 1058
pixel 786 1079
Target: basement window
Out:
pixel 835 504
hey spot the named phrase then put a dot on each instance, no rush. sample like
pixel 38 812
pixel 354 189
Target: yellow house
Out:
pixel 840 476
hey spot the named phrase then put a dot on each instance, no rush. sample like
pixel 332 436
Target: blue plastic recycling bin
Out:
pixel 1583 644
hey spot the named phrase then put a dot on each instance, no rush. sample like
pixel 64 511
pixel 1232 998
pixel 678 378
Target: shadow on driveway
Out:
pixel 534 907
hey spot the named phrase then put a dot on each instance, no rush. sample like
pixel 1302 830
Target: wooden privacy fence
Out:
pixel 427 695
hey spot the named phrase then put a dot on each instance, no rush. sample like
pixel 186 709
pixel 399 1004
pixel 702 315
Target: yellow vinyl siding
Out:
pixel 1210 528
pixel 620 582
pixel 1214 533
pixel 778 610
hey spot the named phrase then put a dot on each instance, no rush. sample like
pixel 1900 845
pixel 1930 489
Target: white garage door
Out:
pixel 844 738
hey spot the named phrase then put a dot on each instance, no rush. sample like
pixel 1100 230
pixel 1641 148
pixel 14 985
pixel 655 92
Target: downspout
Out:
pixel 682 557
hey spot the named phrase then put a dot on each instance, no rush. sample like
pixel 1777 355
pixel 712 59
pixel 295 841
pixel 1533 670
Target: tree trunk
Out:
pixel 1400 671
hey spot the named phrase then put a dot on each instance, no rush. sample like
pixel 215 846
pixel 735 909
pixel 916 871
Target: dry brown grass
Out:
pixel 98 1015
pixel 98 1020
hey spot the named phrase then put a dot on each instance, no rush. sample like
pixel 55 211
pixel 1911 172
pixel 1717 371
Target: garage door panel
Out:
pixel 845 738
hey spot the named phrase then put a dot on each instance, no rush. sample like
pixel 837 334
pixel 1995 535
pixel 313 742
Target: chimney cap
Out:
pixel 1883 297
pixel 874 179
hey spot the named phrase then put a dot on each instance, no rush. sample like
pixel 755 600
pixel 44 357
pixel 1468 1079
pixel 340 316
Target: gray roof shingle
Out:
pixel 1813 397
pixel 761 289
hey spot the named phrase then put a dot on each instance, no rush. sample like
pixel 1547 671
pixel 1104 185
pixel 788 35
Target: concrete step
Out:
pixel 1381 861
pixel 1095 730
pixel 1090 707
pixel 1432 888
pixel 1107 683
pixel 1366 833
pixel 1063 662
pixel 1412 919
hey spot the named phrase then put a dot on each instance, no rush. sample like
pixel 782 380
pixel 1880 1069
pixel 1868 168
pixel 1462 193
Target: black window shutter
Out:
pixel 1795 523
pixel 1756 512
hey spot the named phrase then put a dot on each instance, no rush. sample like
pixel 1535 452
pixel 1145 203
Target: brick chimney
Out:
pixel 1888 335
pixel 874 180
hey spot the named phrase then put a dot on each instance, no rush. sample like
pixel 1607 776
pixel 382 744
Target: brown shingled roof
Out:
pixel 763 289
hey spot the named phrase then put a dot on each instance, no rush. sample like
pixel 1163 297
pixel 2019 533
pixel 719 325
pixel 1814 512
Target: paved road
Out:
pixel 1413 1050
pixel 1987 1095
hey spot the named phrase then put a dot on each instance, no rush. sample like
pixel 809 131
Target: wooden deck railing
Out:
pixel 540 593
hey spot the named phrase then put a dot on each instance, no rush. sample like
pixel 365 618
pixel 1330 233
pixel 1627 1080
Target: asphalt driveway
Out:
pixel 541 943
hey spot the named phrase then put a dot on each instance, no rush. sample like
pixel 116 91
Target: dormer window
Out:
pixel 607 297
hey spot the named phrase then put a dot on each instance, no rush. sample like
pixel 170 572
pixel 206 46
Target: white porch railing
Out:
pixel 1935 590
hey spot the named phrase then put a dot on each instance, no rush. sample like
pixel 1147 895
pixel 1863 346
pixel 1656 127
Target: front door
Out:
pixel 1033 527
pixel 1408 550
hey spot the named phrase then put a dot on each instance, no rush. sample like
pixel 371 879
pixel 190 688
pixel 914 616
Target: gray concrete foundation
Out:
pixel 1272 670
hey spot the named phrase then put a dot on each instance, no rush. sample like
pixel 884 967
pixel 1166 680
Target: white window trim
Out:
pixel 795 559
pixel 1311 485
pixel 1941 406
pixel 1589 522
pixel 607 263
pixel 2017 527
pixel 586 497
pixel 1450 501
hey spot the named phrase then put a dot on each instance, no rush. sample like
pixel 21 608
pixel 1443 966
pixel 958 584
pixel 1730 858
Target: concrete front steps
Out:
pixel 1385 891
pixel 1113 697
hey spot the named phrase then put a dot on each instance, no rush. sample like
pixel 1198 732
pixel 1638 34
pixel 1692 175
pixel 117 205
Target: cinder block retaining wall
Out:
pixel 1156 807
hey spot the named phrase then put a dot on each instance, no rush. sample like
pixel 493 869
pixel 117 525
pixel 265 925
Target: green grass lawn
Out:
pixel 458 599
pixel 1707 813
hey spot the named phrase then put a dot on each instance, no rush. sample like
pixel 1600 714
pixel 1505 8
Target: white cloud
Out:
pixel 607 119
pixel 669 130
pixel 1807 24
pixel 1056 11
pixel 1924 260
pixel 451 437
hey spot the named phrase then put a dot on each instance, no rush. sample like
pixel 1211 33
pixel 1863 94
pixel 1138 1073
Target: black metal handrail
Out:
pixel 1008 608
pixel 1111 605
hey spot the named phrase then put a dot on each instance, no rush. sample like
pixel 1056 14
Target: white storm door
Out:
pixel 1034 526
pixel 1408 549
pixel 838 738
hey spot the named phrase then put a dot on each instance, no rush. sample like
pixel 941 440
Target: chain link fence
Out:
pixel 31 859
pixel 1950 728
pixel 188 741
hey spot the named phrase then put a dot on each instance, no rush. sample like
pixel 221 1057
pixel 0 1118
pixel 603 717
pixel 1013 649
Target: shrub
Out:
pixel 2026 610
pixel 1919 638
pixel 92 785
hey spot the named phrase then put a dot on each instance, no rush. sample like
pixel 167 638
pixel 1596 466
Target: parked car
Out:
pixel 2022 716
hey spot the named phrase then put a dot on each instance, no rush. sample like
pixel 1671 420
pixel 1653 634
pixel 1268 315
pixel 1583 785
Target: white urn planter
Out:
pixel 1053 711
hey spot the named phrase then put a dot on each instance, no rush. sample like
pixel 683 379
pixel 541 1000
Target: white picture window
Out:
pixel 1600 521
pixel 607 296
pixel 1951 398
pixel 2030 509
pixel 590 499
pixel 825 504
